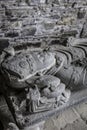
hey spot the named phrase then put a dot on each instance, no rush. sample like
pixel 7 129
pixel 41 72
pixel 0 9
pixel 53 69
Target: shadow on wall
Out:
pixel 3 44
pixel 1 126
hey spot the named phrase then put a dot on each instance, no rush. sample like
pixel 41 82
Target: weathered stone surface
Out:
pixel 82 110
pixel 77 125
pixel 71 119
pixel 67 117
pixel 40 23
pixel 5 115
pixel 16 14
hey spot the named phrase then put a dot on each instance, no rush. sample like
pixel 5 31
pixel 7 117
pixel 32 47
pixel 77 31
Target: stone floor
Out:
pixel 71 119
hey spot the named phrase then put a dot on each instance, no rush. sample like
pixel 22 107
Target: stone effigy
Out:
pixel 26 72
pixel 38 80
pixel 43 56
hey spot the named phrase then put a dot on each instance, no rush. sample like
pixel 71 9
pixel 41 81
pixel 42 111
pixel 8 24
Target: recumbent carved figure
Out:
pixel 37 81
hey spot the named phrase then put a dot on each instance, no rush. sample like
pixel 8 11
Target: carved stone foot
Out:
pixel 38 126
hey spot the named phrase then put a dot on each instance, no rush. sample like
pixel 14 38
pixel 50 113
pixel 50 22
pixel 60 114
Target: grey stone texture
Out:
pixel 23 21
pixel 71 119
pixel 74 118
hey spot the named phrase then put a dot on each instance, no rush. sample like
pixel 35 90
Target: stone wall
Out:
pixel 42 19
